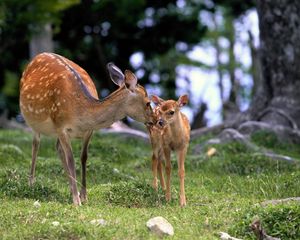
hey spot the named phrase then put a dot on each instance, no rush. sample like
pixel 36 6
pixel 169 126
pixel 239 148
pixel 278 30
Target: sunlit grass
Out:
pixel 223 192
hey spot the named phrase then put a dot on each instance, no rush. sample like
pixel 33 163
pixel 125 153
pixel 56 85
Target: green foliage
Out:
pixel 282 221
pixel 134 194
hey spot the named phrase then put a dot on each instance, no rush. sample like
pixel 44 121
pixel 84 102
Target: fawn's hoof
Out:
pixel 168 197
pixel 182 201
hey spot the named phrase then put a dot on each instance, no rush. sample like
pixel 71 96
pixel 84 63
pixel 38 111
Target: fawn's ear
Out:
pixel 115 74
pixel 156 100
pixel 183 100
pixel 130 80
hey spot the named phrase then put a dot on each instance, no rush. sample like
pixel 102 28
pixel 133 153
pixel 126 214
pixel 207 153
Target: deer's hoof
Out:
pixel 31 181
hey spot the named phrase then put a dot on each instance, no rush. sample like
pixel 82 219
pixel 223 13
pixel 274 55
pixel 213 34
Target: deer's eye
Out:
pixel 171 112
pixel 148 104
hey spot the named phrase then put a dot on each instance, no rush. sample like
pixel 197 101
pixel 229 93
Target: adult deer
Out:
pixel 58 98
pixel 172 133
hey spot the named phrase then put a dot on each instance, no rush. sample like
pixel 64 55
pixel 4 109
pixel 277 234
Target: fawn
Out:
pixel 170 133
pixel 58 98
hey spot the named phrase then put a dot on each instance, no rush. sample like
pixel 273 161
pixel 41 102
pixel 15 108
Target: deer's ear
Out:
pixel 115 74
pixel 130 80
pixel 156 100
pixel 183 100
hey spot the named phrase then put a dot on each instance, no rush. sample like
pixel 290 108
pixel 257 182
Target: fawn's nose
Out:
pixel 161 122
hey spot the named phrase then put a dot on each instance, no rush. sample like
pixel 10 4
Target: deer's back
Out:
pixel 52 89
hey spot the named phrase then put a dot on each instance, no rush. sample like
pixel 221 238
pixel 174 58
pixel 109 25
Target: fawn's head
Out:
pixel 137 103
pixel 167 110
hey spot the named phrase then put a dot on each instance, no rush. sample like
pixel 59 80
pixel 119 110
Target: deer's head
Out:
pixel 137 103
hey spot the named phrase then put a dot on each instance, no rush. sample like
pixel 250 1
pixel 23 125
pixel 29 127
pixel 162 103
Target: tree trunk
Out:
pixel 277 101
pixel 42 41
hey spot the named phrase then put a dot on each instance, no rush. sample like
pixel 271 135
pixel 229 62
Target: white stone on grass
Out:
pixel 55 223
pixel 160 226
pixel 37 204
pixel 98 222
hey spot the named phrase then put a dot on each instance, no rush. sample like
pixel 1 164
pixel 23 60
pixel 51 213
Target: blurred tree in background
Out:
pixel 20 21
pixel 94 32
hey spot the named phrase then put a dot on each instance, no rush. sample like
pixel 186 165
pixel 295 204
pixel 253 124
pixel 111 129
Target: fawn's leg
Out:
pixel 84 157
pixel 167 153
pixel 69 164
pixel 181 173
pixel 35 148
pixel 160 168
pixel 154 171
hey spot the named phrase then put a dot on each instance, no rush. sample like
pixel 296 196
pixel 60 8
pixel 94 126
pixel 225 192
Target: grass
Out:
pixel 223 191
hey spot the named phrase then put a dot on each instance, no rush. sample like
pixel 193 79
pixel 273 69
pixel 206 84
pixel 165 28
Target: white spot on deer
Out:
pixel 64 100
pixel 30 108
pixel 37 96
pixel 28 96
pixel 51 74
pixel 50 93
pixel 58 91
pixel 58 104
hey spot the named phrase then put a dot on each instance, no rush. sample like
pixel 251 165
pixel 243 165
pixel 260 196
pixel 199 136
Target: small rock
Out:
pixel 98 222
pixel 212 151
pixel 37 204
pixel 55 223
pixel 160 226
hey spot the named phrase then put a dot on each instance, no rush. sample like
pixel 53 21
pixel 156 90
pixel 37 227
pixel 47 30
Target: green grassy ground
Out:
pixel 223 191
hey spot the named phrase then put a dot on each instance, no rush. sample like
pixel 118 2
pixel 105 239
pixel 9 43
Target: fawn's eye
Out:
pixel 171 112
pixel 148 104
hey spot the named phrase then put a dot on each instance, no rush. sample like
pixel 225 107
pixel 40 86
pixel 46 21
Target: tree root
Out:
pixel 206 130
pixel 230 134
pixel 285 134
pixel 279 112
pixel 259 232
pixel 280 201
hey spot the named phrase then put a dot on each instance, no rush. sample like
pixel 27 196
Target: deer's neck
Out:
pixel 101 114
pixel 177 127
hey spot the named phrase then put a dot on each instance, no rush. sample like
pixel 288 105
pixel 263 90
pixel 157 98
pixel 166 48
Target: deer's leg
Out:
pixel 154 171
pixel 84 157
pixel 167 153
pixel 161 174
pixel 181 173
pixel 62 157
pixel 69 164
pixel 35 149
